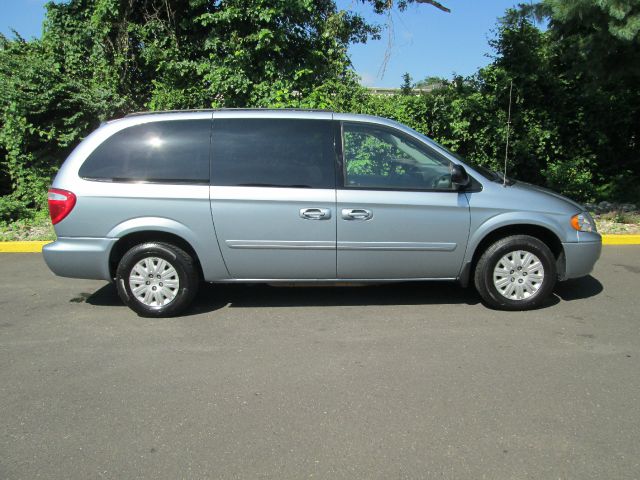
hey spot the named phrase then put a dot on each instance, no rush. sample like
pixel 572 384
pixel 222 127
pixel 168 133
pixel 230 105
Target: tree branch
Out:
pixel 435 4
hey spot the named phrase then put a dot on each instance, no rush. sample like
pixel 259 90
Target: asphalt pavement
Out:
pixel 389 382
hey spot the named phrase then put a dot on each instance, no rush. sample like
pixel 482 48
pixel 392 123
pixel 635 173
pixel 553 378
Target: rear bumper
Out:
pixel 580 257
pixel 79 257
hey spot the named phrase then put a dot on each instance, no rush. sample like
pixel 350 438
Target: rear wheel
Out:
pixel 516 273
pixel 157 279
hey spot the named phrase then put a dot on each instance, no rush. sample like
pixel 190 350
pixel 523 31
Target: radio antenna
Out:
pixel 506 148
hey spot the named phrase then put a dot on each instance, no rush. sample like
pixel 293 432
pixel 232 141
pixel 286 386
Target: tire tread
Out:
pixel 483 274
pixel 183 261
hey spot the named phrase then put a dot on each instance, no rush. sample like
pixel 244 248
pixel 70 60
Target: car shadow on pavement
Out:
pixel 213 297
pixel 261 295
pixel 105 296
pixel 578 288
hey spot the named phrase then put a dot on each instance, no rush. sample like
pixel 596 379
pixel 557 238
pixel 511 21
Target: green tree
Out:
pixel 407 85
pixel 431 82
pixel 381 6
pixel 99 59
pixel 597 50
pixel 575 115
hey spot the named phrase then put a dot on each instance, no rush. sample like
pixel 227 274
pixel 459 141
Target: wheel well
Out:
pixel 128 241
pixel 541 233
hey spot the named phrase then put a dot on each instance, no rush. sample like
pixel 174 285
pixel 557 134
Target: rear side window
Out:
pixel 174 151
pixel 273 153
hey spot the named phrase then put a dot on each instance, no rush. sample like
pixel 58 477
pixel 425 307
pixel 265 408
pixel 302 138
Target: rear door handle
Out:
pixel 315 213
pixel 356 214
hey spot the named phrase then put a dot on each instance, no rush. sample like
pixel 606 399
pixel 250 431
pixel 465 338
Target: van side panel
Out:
pixel 112 210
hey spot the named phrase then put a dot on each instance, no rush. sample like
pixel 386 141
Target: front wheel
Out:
pixel 157 279
pixel 516 273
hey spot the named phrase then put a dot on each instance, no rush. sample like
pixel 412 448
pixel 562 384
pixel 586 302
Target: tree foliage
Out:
pixel 576 102
pixel 99 59
pixel 407 84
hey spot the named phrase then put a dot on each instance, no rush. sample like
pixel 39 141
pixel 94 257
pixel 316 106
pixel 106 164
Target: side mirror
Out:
pixel 459 176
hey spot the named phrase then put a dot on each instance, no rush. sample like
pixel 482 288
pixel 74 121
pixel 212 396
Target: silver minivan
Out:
pixel 159 202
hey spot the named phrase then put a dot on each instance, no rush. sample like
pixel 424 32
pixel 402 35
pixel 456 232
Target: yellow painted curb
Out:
pixel 36 246
pixel 22 247
pixel 621 239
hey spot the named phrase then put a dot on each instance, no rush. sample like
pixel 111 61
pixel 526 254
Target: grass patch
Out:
pixel 621 217
pixel 38 227
pixel 618 222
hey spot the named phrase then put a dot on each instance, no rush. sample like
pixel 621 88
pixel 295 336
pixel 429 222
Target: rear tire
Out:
pixel 157 279
pixel 516 273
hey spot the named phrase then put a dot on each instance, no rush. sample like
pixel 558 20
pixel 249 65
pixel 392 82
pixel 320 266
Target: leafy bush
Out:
pixel 573 178
pixel 12 209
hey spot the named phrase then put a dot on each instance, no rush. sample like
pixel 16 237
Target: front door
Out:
pixel 399 216
pixel 273 196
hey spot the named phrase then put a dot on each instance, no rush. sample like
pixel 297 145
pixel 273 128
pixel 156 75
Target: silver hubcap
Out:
pixel 154 282
pixel 518 275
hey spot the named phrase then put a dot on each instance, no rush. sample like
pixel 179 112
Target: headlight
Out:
pixel 583 222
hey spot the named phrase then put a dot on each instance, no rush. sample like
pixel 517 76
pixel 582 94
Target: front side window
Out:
pixel 273 152
pixel 381 158
pixel 166 151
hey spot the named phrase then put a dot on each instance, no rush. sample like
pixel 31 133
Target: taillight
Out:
pixel 61 202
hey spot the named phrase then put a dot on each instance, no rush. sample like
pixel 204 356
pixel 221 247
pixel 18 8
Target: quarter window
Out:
pixel 271 152
pixel 167 151
pixel 381 158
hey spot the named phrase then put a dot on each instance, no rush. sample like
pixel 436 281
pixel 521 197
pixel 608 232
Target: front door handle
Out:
pixel 356 214
pixel 315 213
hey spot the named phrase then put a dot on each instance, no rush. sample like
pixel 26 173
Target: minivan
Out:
pixel 160 202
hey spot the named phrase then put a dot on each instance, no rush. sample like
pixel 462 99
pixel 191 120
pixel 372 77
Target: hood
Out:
pixel 545 191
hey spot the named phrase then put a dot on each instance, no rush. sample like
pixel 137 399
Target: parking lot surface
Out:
pixel 396 381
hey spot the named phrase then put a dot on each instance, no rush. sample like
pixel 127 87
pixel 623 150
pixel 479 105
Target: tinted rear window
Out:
pixel 169 151
pixel 273 153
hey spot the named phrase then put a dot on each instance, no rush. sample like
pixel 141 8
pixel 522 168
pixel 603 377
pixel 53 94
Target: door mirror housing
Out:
pixel 459 176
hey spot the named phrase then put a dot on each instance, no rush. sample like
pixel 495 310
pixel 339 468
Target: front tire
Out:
pixel 157 279
pixel 516 273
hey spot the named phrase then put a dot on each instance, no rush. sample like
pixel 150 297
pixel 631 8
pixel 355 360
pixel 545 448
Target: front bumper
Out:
pixel 78 257
pixel 580 257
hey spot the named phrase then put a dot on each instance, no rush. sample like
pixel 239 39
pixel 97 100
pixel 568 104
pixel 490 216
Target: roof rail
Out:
pixel 135 114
